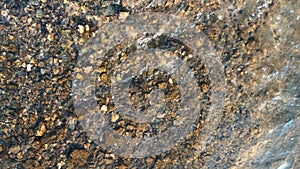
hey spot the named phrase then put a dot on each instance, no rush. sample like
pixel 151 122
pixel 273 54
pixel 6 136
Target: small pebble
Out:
pixel 20 155
pixel 80 29
pixel 50 37
pixel 87 28
pixel 41 64
pixel 104 77
pixel 28 67
pixel 170 81
pixel 55 71
pixel 104 108
pixel 43 71
pixel 60 164
pixel 42 130
pixel 55 61
pixel 114 117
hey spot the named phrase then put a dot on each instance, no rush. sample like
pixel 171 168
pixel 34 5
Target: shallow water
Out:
pixel 246 63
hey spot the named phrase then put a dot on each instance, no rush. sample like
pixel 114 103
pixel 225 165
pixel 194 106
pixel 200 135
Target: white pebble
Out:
pixel 104 108
pixel 43 71
pixel 170 81
pixel 87 28
pixel 81 29
pixel 28 67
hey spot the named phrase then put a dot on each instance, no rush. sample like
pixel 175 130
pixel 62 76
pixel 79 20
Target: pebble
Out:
pixel 114 117
pixel 60 164
pixel 104 108
pixel 50 37
pixel 42 130
pixel 55 61
pixel 55 71
pixel 28 67
pixel 87 28
pixel 170 81
pixel 20 155
pixel 80 29
pixel 43 71
pixel 149 160
pixel 104 77
pixel 41 64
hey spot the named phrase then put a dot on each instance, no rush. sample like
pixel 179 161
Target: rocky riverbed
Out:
pixel 256 126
